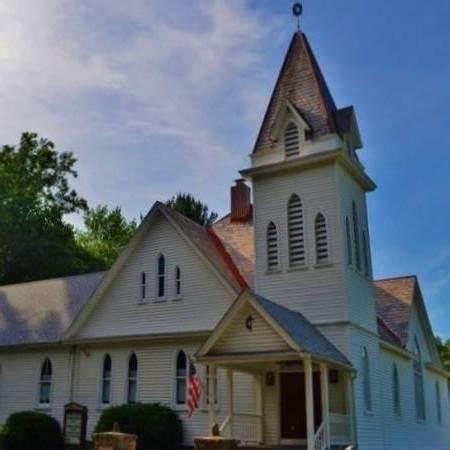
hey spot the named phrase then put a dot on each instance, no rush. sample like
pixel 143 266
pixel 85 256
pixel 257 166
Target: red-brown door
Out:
pixel 293 405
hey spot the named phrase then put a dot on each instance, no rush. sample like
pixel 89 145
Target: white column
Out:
pixel 230 399
pixel 309 403
pixel 350 406
pixel 260 404
pixel 211 397
pixel 325 402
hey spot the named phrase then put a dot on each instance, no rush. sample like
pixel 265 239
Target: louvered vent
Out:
pixel 292 140
pixel 272 247
pixel 296 232
pixel 322 253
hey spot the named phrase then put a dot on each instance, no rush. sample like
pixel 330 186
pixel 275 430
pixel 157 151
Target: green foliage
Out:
pixel 444 351
pixel 192 208
pixel 35 194
pixel 157 427
pixel 107 232
pixel 31 431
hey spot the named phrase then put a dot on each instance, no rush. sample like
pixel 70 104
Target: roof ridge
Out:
pixel 404 277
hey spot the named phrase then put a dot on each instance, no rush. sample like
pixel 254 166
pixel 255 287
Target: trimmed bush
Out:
pixel 157 427
pixel 31 431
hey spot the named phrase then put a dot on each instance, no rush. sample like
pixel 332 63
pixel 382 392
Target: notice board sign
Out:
pixel 75 421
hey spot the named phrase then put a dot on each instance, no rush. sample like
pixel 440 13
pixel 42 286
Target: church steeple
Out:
pixel 302 84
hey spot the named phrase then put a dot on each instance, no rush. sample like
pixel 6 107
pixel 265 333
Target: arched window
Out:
pixel 367 390
pixel 322 251
pixel 356 236
pixel 161 282
pixel 348 233
pixel 273 260
pixel 296 232
pixel 177 282
pixel 45 383
pixel 419 394
pixel 366 253
pixel 143 286
pixel 396 390
pixel 132 379
pixel 438 402
pixel 181 375
pixel 292 140
pixel 106 380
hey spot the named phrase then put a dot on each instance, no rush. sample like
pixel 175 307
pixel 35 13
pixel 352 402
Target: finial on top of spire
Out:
pixel 297 10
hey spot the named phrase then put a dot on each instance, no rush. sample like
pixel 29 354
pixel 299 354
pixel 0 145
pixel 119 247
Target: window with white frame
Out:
pixel 177 282
pixel 106 380
pixel 132 379
pixel 161 280
pixel 438 403
pixel 396 390
pixel 356 243
pixel 348 233
pixel 291 140
pixel 273 258
pixel 45 382
pixel 296 232
pixel 367 389
pixel 419 393
pixel 322 249
pixel 366 253
pixel 181 374
pixel 143 286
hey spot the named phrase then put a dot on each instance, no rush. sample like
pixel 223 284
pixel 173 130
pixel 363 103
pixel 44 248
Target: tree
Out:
pixel 35 195
pixel 192 208
pixel 107 232
pixel 444 351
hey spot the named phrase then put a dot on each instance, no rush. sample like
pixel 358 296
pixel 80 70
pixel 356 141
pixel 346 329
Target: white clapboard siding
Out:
pixel 204 297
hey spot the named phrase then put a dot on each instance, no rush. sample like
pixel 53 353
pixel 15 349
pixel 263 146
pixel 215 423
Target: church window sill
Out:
pixel 298 269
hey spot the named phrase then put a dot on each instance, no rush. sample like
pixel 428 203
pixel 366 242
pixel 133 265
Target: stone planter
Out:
pixel 215 443
pixel 114 441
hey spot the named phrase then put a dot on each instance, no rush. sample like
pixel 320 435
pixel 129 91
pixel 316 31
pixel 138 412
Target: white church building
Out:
pixel 275 303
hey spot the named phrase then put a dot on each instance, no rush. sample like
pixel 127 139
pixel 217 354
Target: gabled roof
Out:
pixel 40 311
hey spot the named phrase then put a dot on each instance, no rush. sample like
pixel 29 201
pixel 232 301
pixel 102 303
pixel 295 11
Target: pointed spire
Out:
pixel 301 83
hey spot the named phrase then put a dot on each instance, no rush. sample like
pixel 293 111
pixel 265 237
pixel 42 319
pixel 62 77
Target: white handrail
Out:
pixel 320 438
pixel 225 425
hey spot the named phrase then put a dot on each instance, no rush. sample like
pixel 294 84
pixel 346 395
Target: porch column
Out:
pixel 325 402
pixel 260 404
pixel 310 432
pixel 350 400
pixel 211 397
pixel 230 399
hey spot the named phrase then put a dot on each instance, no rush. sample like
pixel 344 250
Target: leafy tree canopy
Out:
pixel 192 208
pixel 444 351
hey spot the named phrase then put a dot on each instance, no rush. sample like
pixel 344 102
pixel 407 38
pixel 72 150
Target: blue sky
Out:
pixel 162 96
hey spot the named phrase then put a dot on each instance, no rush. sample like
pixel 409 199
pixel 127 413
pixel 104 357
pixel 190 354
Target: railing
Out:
pixel 246 428
pixel 320 438
pixel 340 429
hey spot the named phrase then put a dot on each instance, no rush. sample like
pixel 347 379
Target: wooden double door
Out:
pixel 293 405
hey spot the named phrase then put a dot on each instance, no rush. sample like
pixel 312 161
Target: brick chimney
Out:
pixel 241 204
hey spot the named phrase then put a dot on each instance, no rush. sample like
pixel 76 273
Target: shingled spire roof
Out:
pixel 302 84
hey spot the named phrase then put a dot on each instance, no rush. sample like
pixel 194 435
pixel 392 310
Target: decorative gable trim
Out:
pixel 286 109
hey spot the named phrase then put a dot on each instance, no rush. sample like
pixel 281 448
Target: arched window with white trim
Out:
pixel 322 248
pixel 296 232
pixel 292 140
pixel 366 253
pixel 45 382
pixel 356 236
pixel 273 257
pixel 106 380
pixel 367 388
pixel 132 379
pixel 177 282
pixel 161 279
pixel 348 233
pixel 419 393
pixel 181 374
pixel 396 390
pixel 438 403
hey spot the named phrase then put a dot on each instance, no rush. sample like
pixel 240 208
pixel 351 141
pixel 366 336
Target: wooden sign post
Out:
pixel 75 421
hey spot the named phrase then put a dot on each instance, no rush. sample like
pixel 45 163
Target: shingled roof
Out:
pixel 302 83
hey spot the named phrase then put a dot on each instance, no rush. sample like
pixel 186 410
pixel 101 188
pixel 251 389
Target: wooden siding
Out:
pixel 204 297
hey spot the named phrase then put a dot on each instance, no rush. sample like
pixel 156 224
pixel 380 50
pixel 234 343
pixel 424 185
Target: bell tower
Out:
pixel 311 229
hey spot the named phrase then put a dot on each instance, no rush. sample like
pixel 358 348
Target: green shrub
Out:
pixel 157 427
pixel 31 431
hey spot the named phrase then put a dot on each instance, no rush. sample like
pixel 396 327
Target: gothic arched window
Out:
pixel 106 380
pixel 367 389
pixel 132 379
pixel 396 390
pixel 161 280
pixel 181 374
pixel 419 394
pixel 45 382
pixel 292 140
pixel 356 236
pixel 322 250
pixel 296 232
pixel 273 258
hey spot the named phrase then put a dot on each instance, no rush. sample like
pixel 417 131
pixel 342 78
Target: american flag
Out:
pixel 194 390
